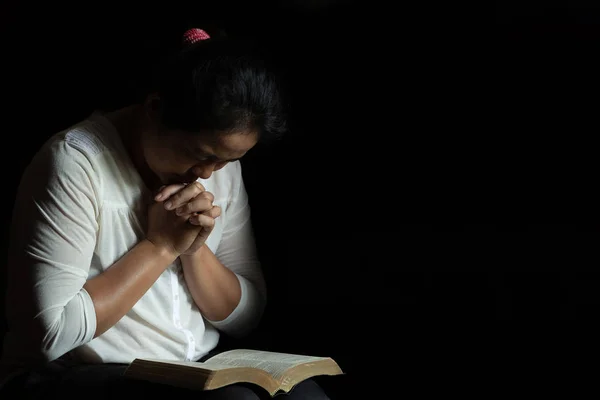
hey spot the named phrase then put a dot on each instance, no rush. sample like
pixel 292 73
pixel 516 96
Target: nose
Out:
pixel 203 171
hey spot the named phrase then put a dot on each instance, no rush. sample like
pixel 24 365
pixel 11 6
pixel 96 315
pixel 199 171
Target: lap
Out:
pixel 106 381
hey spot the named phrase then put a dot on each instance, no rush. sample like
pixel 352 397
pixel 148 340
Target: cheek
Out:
pixel 156 158
pixel 163 159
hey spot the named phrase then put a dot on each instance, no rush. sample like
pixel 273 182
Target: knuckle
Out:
pixel 198 187
pixel 204 219
pixel 209 196
pixel 176 197
pixel 197 204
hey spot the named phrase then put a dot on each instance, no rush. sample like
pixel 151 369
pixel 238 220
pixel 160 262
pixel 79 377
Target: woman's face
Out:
pixel 180 157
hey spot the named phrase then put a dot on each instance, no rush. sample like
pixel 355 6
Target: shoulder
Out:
pixel 69 155
pixel 90 138
pixel 86 140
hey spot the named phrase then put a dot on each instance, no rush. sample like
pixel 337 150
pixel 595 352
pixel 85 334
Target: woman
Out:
pixel 131 235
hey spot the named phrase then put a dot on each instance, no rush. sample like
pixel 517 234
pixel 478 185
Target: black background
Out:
pixel 394 120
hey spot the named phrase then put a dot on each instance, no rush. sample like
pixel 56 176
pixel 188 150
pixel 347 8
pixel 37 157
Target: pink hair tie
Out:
pixel 194 35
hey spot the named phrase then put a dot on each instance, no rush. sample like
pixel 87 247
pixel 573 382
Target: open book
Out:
pixel 274 372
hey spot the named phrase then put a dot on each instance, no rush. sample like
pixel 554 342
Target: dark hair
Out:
pixel 221 85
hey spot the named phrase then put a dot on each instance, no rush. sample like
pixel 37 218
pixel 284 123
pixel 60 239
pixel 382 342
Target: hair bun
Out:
pixel 194 35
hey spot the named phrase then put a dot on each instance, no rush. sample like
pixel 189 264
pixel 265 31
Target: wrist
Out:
pixel 165 253
pixel 195 253
pixel 188 258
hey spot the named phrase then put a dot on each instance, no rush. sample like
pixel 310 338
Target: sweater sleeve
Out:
pixel 52 244
pixel 237 251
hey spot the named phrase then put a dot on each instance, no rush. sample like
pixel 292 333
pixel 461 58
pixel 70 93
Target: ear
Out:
pixel 152 106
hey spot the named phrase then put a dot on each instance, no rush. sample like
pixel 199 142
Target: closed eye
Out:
pixel 201 156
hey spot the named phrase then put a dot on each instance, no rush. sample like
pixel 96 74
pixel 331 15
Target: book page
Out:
pixel 273 363
pixel 191 364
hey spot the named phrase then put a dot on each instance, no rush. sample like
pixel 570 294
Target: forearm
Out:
pixel 215 289
pixel 115 291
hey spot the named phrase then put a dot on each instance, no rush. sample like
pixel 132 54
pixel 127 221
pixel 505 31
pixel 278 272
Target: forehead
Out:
pixel 228 144
pixel 239 142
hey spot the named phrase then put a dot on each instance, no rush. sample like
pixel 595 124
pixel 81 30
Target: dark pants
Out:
pixel 105 381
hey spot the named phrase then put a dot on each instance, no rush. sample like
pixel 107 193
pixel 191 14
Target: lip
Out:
pixel 177 180
pixel 185 180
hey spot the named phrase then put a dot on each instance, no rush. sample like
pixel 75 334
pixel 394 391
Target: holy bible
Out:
pixel 274 372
